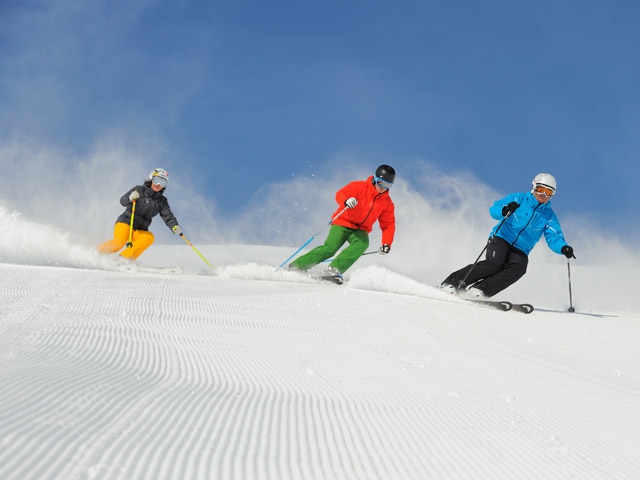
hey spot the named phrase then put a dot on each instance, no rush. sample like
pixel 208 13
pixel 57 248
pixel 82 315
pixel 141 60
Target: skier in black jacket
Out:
pixel 149 201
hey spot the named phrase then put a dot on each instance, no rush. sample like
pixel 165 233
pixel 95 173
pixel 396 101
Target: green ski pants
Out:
pixel 358 243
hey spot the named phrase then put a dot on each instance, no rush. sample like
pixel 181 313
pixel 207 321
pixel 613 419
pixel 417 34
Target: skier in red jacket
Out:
pixel 366 201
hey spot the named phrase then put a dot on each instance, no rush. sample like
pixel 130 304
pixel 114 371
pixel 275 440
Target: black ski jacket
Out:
pixel 148 206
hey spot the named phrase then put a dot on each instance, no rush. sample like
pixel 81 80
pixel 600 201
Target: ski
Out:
pixel 324 276
pixel 163 270
pixel 140 268
pixel 504 305
pixel 329 275
pixel 522 307
pixel 337 279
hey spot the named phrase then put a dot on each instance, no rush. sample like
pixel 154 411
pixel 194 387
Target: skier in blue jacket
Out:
pixel 525 217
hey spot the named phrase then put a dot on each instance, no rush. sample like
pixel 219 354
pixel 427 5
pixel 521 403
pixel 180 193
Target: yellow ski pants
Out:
pixel 140 239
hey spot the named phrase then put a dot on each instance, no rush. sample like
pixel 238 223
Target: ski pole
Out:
pixel 314 236
pixel 365 253
pixel 129 244
pixel 195 250
pixel 462 282
pixel 571 309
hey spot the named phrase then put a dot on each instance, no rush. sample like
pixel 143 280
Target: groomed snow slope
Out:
pixel 250 374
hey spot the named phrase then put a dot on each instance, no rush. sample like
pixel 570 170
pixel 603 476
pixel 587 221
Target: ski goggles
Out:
pixel 159 181
pixel 544 190
pixel 381 182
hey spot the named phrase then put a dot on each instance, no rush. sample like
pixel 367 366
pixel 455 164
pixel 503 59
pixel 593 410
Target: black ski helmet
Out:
pixel 386 173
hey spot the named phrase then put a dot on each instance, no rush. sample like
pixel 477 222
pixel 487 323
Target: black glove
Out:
pixel 384 249
pixel 510 208
pixel 567 251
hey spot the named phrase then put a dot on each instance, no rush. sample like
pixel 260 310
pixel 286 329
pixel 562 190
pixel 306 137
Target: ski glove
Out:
pixel 134 196
pixel 567 251
pixel 350 202
pixel 384 249
pixel 510 208
pixel 177 230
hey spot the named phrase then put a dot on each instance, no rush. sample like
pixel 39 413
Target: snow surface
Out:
pixel 245 373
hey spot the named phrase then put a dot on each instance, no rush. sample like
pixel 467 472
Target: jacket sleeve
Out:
pixel 167 215
pixel 553 235
pixel 346 192
pixel 496 209
pixel 124 200
pixel 387 221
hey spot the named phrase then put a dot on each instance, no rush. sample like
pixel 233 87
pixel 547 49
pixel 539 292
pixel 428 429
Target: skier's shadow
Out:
pixel 577 312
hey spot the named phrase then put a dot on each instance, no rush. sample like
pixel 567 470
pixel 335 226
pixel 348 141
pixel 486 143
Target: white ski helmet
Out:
pixel 546 180
pixel 161 176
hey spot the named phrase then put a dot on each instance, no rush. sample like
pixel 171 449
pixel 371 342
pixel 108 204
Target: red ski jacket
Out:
pixel 371 206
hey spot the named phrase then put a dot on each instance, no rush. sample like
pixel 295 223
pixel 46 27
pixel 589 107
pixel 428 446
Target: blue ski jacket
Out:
pixel 524 227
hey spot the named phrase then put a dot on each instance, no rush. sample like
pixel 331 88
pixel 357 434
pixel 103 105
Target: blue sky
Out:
pixel 236 95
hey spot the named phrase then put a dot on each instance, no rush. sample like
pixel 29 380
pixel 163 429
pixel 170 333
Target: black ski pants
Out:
pixel 504 265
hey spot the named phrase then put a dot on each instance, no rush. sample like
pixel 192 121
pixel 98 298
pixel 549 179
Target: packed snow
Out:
pixel 242 372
